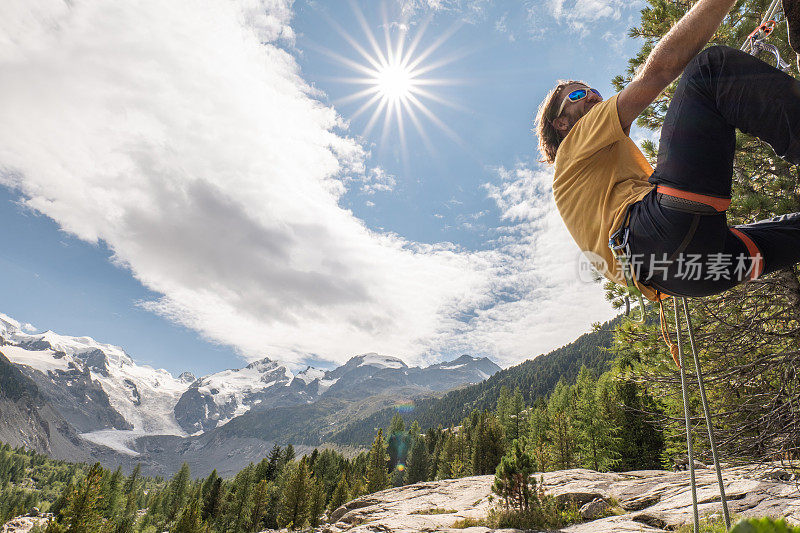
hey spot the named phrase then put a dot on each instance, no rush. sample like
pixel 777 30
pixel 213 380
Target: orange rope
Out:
pixel 673 348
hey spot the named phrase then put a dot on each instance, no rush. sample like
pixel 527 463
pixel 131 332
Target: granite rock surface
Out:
pixel 647 501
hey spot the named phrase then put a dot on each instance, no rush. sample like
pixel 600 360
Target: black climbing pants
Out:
pixel 680 242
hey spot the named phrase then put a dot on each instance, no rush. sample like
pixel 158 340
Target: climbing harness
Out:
pixel 756 41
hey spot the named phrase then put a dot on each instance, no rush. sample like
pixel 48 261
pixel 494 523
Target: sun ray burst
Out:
pixel 391 77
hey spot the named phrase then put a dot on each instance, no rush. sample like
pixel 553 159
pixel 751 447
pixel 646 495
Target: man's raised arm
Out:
pixel 670 56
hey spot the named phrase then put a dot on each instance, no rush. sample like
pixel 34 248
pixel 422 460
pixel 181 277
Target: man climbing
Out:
pixel 671 222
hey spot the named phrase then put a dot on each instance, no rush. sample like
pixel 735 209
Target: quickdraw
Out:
pixel 618 243
pixel 756 43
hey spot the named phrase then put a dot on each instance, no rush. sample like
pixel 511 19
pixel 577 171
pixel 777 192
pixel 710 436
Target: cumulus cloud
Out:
pixel 377 180
pixel 471 11
pixel 185 138
pixel 578 15
pixel 536 291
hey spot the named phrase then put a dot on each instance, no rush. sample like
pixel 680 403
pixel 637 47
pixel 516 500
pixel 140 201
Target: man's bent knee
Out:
pixel 709 62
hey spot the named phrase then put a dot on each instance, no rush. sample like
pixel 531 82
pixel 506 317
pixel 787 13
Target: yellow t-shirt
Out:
pixel 599 172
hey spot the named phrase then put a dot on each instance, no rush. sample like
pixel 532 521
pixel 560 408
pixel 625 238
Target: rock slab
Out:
pixel 651 501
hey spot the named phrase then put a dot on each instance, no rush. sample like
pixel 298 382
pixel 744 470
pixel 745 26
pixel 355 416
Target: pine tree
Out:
pixel 288 455
pixel 377 472
pixel 260 503
pixel 341 494
pixel 563 435
pixel 596 432
pixel 242 497
pixel 270 464
pixel 448 461
pixel 275 492
pixel 643 441
pixel 132 481
pixel 513 481
pixel 112 494
pixel 125 522
pixel 415 430
pixel 82 510
pixel 397 425
pixel 488 448
pixel 178 491
pixel 539 431
pixel 436 455
pixel 213 500
pixel 189 520
pixel 208 483
pixel 312 459
pixel 418 462
pixel 316 502
pixel 293 512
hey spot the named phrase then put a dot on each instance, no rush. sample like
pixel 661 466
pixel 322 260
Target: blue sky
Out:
pixel 189 182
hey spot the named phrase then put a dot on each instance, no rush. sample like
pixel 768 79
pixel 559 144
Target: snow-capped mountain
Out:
pixel 95 386
pixel 213 400
pixel 111 400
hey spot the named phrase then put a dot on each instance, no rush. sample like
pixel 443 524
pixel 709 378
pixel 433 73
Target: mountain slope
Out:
pixel 94 386
pixel 535 378
pixel 364 385
pixel 27 419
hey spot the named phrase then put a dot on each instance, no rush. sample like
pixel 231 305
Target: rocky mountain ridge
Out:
pixel 109 400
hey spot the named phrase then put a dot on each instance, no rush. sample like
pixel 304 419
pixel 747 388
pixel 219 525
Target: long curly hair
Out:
pixel 549 139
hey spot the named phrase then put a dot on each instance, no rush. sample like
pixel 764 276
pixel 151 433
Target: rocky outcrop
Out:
pixel 23 524
pixel 648 501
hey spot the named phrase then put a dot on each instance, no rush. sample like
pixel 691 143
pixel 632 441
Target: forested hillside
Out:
pixel 535 378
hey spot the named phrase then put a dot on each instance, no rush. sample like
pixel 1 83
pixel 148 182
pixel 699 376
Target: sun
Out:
pixel 394 79
pixel 395 82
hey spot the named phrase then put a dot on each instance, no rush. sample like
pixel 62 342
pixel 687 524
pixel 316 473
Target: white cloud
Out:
pixel 195 151
pixel 501 26
pixel 537 293
pixel 579 15
pixel 471 11
pixel 185 138
pixel 377 180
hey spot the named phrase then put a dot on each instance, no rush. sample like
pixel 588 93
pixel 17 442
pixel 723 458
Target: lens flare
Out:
pixel 404 407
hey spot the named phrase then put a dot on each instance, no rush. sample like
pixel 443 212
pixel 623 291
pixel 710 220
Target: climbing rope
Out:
pixel 687 414
pixel 704 401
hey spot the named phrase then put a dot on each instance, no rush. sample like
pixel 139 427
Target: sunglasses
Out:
pixel 575 96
